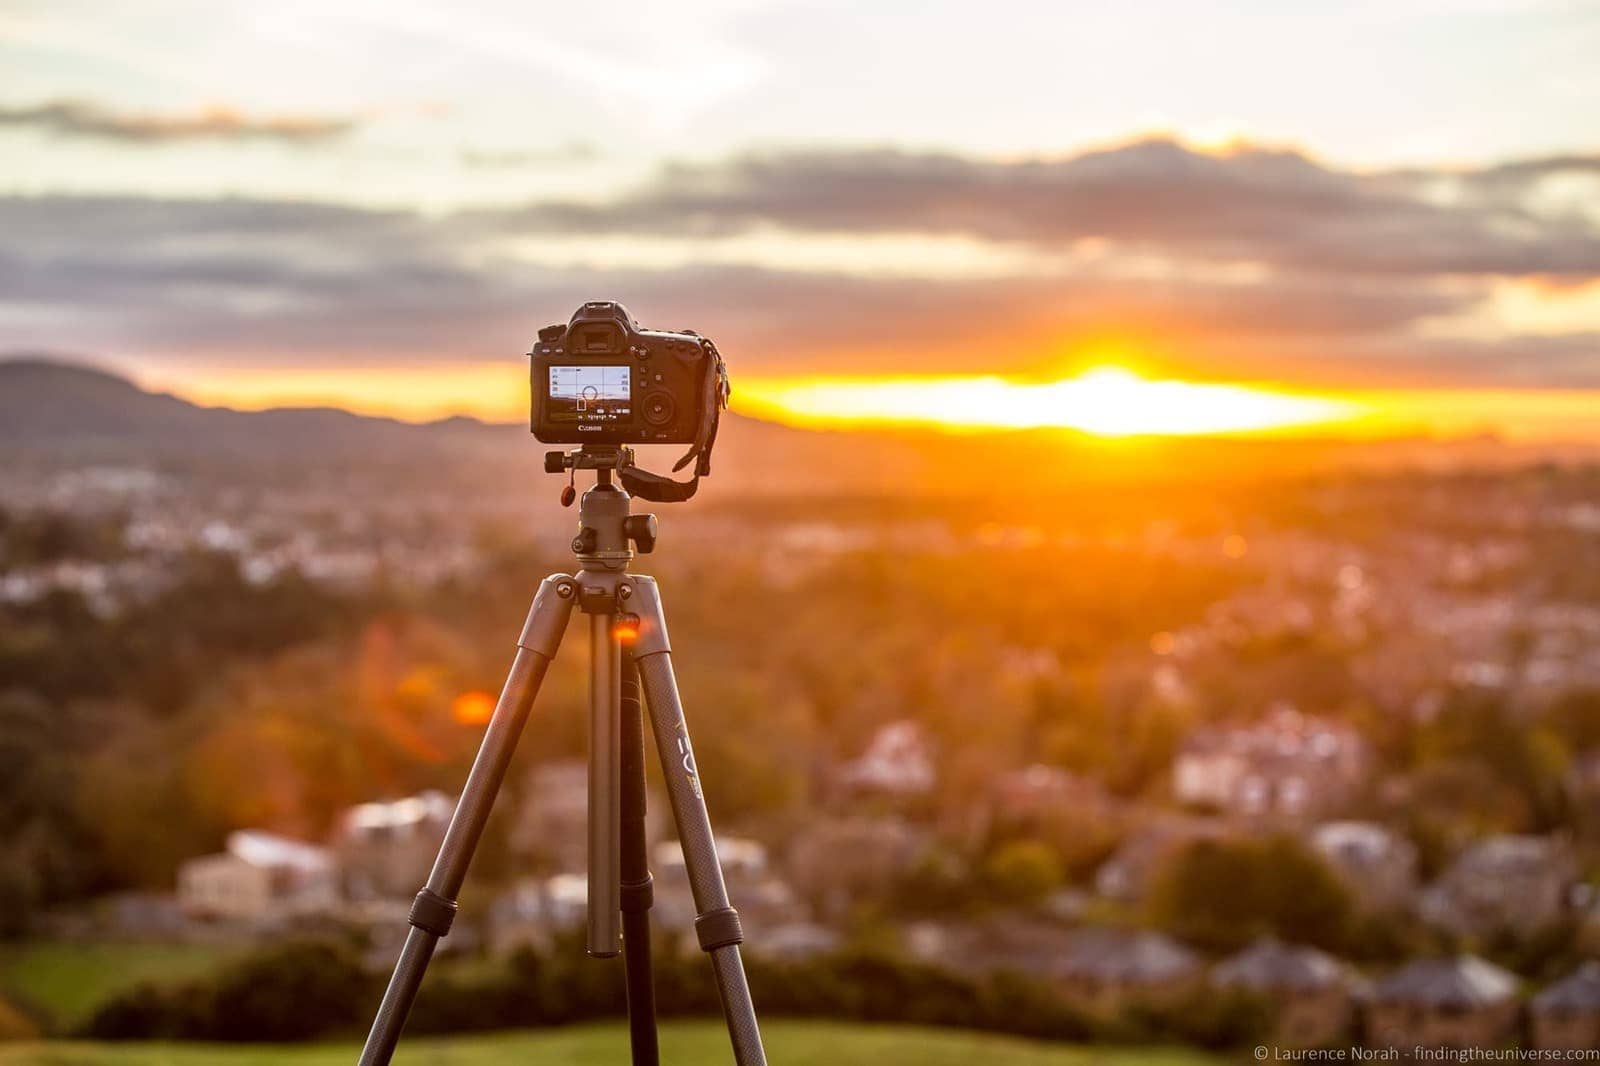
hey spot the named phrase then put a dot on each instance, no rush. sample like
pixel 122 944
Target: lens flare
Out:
pixel 472 708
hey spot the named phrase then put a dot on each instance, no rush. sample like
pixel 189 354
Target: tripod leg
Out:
pixel 434 909
pixel 637 885
pixel 717 926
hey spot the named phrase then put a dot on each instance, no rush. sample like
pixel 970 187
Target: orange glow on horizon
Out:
pixel 1109 401
pixel 1106 401
pixel 495 392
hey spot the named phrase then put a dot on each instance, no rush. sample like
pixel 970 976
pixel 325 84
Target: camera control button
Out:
pixel 659 408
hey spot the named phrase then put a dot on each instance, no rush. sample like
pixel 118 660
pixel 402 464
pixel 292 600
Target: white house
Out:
pixel 898 762
pixel 259 877
pixel 1377 864
pixel 386 849
pixel 1504 882
pixel 1289 765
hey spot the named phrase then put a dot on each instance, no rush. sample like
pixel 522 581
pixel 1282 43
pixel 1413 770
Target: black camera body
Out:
pixel 601 379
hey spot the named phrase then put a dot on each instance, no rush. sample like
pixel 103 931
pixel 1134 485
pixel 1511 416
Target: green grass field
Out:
pixel 65 981
pixel 789 1043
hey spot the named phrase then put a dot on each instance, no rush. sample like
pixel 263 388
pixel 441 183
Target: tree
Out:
pixel 295 991
pixel 1533 762
pixel 1023 871
pixel 1575 718
pixel 43 851
pixel 1224 893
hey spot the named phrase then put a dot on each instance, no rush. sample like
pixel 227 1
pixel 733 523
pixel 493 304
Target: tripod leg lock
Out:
pixel 547 618
pixel 638 895
pixel 718 929
pixel 432 913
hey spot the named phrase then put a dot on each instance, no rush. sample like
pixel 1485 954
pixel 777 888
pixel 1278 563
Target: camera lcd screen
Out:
pixel 590 394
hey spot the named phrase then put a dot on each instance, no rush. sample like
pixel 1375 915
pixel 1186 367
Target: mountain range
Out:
pixel 70 410
pixel 51 401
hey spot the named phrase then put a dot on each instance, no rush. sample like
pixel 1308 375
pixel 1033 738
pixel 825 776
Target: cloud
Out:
pixel 1249 204
pixel 291 274
pixel 1346 270
pixel 571 152
pixel 74 118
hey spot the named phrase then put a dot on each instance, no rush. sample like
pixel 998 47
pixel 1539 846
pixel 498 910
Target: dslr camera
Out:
pixel 602 379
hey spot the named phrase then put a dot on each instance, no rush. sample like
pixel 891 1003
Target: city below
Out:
pixel 1319 729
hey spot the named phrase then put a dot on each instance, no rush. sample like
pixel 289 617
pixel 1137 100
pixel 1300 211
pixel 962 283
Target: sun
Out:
pixel 1107 401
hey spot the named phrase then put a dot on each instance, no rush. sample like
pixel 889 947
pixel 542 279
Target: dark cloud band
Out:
pixel 1252 204
pixel 79 119
pixel 1345 268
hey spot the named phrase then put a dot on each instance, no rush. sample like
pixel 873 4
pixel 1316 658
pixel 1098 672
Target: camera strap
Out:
pixel 659 488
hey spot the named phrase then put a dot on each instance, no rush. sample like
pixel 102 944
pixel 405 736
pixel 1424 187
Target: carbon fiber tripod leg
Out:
pixel 435 906
pixel 717 925
pixel 637 889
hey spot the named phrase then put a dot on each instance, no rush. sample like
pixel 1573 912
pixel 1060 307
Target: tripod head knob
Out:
pixel 641 529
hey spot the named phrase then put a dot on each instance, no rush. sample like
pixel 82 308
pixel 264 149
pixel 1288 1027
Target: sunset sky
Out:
pixel 1162 217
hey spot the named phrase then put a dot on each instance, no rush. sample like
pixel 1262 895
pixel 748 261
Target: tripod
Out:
pixel 629 655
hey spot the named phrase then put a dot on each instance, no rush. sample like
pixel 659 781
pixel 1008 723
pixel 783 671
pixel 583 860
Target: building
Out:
pixel 1585 774
pixel 127 916
pixel 1039 792
pixel 765 900
pixel 534 910
pixel 897 763
pixel 1312 991
pixel 1566 1016
pixel 998 942
pixel 1506 882
pixel 794 940
pixel 834 862
pixel 1126 876
pixel 380 927
pixel 1289 765
pixel 259 878
pixel 552 820
pixel 385 850
pixel 1456 1002
pixel 1378 865
pixel 1072 813
pixel 1103 970
pixel 1584 784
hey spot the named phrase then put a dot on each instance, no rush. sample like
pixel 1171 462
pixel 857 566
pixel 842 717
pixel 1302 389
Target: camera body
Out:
pixel 601 379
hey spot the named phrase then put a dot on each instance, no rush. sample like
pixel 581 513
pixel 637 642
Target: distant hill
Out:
pixel 71 410
pixel 48 402
pixel 68 410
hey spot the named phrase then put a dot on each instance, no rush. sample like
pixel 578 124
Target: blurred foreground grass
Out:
pixel 65 982
pixel 792 1043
